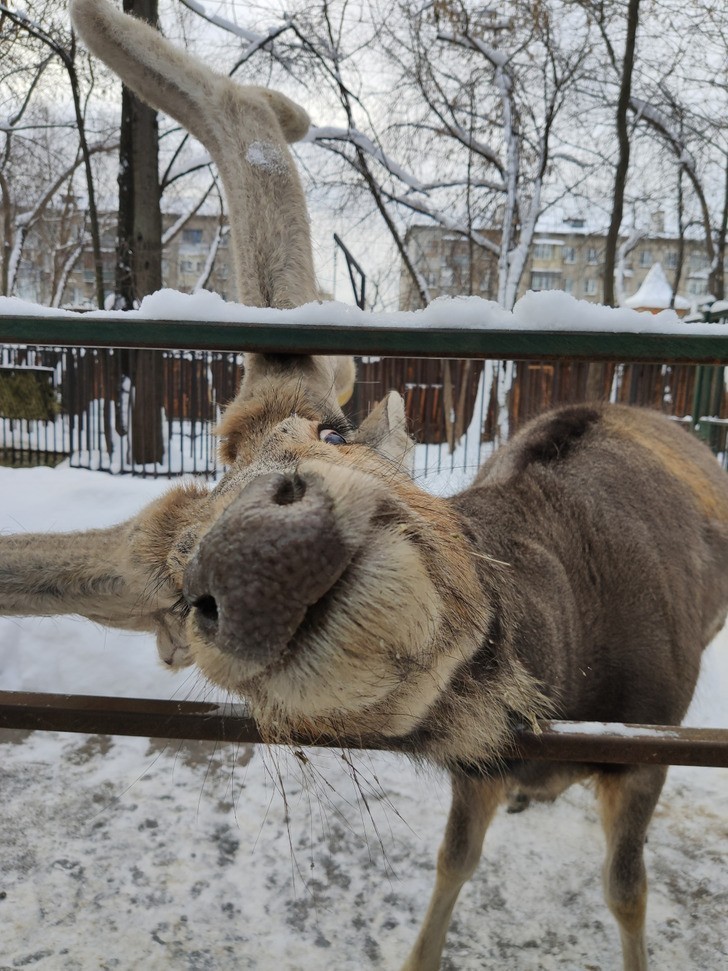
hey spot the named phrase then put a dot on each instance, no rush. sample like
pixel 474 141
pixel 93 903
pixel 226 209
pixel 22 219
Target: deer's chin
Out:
pixel 173 646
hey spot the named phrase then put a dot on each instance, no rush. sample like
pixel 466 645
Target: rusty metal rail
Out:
pixel 558 741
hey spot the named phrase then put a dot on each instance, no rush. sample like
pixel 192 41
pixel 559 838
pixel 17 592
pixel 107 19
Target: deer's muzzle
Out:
pixel 273 554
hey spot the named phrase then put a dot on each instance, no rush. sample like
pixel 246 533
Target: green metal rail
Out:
pixel 503 344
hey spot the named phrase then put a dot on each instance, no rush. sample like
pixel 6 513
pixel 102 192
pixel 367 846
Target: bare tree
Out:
pixel 476 93
pixel 625 66
pixel 61 42
pixel 139 237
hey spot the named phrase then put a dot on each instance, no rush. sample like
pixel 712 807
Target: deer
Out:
pixel 318 581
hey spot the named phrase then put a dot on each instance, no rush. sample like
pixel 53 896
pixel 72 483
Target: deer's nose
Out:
pixel 272 554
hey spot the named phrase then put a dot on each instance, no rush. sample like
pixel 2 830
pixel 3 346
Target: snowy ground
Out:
pixel 139 853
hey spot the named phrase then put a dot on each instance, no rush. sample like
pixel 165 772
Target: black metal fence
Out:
pixel 149 413
pixel 153 412
pixel 613 743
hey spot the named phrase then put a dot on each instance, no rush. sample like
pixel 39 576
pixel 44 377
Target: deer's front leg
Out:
pixel 128 576
pixel 473 806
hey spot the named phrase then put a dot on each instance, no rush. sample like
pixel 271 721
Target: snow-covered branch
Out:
pixel 317 135
pixel 496 57
pixel 623 251
pixel 255 41
pixel 206 273
pixel 72 258
pixel 419 205
pixel 228 25
pixel 661 123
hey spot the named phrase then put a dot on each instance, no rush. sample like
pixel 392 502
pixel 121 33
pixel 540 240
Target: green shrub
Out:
pixel 27 393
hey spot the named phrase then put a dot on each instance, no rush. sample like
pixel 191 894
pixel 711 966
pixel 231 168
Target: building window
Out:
pixel 592 255
pixel 590 287
pixel 185 266
pixel 543 251
pixel 545 281
pixel 569 254
pixel 646 257
pixel 671 259
pixel 193 237
pixel 568 285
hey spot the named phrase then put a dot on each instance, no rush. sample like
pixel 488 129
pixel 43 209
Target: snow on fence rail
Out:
pixel 397 336
pixel 552 334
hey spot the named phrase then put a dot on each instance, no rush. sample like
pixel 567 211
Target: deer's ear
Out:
pixel 344 378
pixel 385 429
pixel 292 118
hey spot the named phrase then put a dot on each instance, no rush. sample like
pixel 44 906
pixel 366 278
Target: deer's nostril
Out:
pixel 205 608
pixel 289 489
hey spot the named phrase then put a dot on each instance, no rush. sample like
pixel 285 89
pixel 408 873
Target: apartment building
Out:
pixel 566 254
pixel 50 247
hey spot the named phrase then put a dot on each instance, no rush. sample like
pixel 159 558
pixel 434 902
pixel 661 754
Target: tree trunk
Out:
pixel 139 251
pixel 7 235
pixel 620 175
pixel 716 283
pixel 680 238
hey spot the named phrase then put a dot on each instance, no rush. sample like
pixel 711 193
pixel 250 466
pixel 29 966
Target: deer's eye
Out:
pixel 331 436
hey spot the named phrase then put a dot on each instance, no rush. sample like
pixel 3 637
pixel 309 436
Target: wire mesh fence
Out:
pixel 149 413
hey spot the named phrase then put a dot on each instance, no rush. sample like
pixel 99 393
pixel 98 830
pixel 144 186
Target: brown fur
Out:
pixel 556 583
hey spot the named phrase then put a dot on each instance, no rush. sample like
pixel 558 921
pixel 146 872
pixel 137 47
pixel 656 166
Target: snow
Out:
pixel 547 310
pixel 611 728
pixel 125 853
pixel 267 156
pixel 655 293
